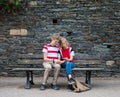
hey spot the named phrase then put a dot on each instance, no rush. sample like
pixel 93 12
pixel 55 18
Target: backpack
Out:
pixel 79 86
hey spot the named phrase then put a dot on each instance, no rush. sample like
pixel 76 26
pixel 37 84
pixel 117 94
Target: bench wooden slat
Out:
pixel 88 61
pixel 35 69
pixel 29 61
pixel 30 56
pixel 86 57
pixel 27 69
pixel 91 69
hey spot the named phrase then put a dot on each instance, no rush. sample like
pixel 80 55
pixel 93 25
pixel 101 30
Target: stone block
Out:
pixel 66 0
pixel 2 39
pixel 33 3
pixel 111 62
pixel 21 32
pixel 70 15
pixel 117 62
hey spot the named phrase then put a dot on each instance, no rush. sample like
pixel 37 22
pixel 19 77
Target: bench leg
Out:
pixel 28 85
pixel 31 81
pixel 88 77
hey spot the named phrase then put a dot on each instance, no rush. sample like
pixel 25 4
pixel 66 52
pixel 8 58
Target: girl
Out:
pixel 66 53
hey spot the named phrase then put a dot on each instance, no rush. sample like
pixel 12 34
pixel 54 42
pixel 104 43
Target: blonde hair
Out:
pixel 55 36
pixel 62 39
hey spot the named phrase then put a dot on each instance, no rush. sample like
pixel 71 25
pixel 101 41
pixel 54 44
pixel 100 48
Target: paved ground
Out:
pixel 101 87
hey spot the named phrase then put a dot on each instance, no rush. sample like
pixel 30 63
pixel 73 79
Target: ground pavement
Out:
pixel 101 87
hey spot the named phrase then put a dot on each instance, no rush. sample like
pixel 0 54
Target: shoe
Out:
pixel 42 87
pixel 71 81
pixel 70 87
pixel 55 87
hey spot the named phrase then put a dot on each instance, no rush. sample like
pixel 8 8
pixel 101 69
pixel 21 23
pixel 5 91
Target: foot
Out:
pixel 55 87
pixel 71 81
pixel 42 87
pixel 70 87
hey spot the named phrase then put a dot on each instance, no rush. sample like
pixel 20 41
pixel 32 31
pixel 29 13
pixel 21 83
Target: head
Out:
pixel 55 39
pixel 64 43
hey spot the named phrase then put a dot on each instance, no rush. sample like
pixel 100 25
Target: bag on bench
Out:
pixel 79 86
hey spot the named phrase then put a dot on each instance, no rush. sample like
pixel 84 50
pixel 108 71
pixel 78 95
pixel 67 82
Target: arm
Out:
pixel 46 59
pixel 51 60
pixel 68 59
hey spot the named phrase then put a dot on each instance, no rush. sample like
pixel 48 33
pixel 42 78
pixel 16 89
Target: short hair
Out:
pixel 55 36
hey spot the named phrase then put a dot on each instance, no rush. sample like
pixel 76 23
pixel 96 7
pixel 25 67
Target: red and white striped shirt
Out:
pixel 52 51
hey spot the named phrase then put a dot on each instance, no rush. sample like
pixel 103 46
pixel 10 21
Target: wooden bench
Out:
pixel 33 62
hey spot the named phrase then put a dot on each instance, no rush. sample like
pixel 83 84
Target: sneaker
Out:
pixel 55 87
pixel 71 81
pixel 42 87
pixel 70 87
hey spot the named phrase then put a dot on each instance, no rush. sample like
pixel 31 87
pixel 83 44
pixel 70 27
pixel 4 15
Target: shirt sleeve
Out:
pixel 59 54
pixel 44 50
pixel 72 52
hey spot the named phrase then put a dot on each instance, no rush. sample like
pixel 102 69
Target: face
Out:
pixel 54 42
pixel 64 44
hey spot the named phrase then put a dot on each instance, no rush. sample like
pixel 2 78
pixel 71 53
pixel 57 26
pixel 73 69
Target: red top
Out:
pixel 66 53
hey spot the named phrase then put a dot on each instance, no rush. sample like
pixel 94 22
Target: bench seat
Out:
pixel 38 69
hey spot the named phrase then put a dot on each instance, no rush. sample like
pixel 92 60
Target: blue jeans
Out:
pixel 68 67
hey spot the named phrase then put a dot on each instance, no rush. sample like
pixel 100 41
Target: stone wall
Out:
pixel 91 26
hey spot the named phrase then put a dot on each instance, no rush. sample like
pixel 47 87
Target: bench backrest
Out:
pixel 87 59
pixel 81 60
pixel 30 59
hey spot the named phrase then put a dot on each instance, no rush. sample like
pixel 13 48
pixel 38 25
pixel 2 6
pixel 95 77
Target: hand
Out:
pixel 61 62
pixel 57 61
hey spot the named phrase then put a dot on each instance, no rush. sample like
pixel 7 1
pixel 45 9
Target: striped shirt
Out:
pixel 52 51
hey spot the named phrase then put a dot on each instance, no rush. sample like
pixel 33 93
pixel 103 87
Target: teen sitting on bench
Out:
pixel 66 53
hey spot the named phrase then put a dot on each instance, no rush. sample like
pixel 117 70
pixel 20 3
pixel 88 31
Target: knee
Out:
pixel 68 64
pixel 48 69
pixel 57 67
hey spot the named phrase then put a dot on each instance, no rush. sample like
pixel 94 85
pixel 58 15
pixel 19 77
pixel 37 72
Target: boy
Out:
pixel 50 57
